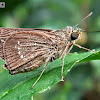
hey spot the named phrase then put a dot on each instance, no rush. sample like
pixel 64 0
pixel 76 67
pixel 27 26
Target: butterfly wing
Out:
pixel 26 51
pixel 6 32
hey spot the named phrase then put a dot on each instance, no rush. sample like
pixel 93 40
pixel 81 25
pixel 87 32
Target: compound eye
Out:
pixel 74 35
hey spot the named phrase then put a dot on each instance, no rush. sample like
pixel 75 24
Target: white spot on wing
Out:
pixel 21 56
pixel 2 40
pixel 19 52
pixel 18 42
pixel 19 48
pixel 35 43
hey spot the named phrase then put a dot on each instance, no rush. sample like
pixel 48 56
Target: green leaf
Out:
pixel 18 87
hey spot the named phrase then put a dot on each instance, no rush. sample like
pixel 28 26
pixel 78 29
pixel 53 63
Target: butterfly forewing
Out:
pixel 26 49
pixel 6 32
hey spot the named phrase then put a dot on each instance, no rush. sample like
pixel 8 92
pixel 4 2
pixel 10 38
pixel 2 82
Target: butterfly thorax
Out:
pixel 61 39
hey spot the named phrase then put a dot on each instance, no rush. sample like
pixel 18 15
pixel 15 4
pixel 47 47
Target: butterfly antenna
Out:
pixel 85 18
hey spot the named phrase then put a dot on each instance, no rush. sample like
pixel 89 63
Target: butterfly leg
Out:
pixel 62 71
pixel 84 48
pixel 40 74
pixel 46 63
pixel 66 51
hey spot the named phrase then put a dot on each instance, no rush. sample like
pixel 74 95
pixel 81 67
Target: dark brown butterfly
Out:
pixel 25 50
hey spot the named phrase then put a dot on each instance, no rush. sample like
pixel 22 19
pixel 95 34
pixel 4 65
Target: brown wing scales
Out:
pixel 26 51
pixel 6 32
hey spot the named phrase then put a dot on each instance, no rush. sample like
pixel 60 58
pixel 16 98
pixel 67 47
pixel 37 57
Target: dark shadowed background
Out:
pixel 83 81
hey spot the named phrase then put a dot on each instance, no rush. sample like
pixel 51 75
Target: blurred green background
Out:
pixel 83 81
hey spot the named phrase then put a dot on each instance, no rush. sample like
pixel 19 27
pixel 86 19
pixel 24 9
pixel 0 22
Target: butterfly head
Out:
pixel 73 33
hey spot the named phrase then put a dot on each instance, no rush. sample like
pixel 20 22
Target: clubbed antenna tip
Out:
pixel 85 17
